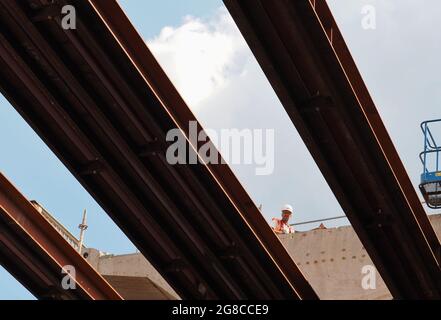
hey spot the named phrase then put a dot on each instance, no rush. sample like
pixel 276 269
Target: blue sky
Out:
pixel 153 15
pixel 210 64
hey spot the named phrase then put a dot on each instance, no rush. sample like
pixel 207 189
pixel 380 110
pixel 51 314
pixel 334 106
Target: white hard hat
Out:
pixel 287 207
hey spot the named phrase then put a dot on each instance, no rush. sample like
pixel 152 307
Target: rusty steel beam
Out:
pixel 35 253
pixel 101 102
pixel 306 60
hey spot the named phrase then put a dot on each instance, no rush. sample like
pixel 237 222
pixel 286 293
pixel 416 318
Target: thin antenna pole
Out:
pixel 83 228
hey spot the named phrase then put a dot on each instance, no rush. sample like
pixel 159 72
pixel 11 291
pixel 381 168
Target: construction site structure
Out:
pixel 333 260
pixel 99 99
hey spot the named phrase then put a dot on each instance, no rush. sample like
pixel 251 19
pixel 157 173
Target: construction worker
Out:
pixel 281 225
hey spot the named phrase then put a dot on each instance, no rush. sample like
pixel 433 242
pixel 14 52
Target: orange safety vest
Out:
pixel 282 227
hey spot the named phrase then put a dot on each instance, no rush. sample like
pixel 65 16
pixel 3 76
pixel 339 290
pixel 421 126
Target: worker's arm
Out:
pixel 276 227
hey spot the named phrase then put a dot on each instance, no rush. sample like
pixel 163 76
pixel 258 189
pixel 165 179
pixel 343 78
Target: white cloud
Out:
pixel 200 56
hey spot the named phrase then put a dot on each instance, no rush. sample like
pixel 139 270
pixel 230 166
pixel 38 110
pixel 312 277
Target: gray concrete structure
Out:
pixel 333 259
pixel 120 270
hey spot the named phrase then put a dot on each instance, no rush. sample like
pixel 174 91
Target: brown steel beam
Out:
pixel 100 100
pixel 304 56
pixel 35 253
pixel 155 77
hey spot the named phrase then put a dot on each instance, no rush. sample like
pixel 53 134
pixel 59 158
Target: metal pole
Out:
pixel 319 220
pixel 82 227
pixel 425 150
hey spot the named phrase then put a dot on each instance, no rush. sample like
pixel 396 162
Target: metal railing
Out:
pixel 66 234
pixel 430 172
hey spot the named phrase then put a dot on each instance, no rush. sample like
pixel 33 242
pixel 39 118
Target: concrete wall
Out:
pixel 138 288
pixel 128 265
pixel 332 261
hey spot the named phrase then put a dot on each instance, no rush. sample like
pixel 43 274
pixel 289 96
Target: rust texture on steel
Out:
pixel 35 253
pixel 306 60
pixel 101 102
